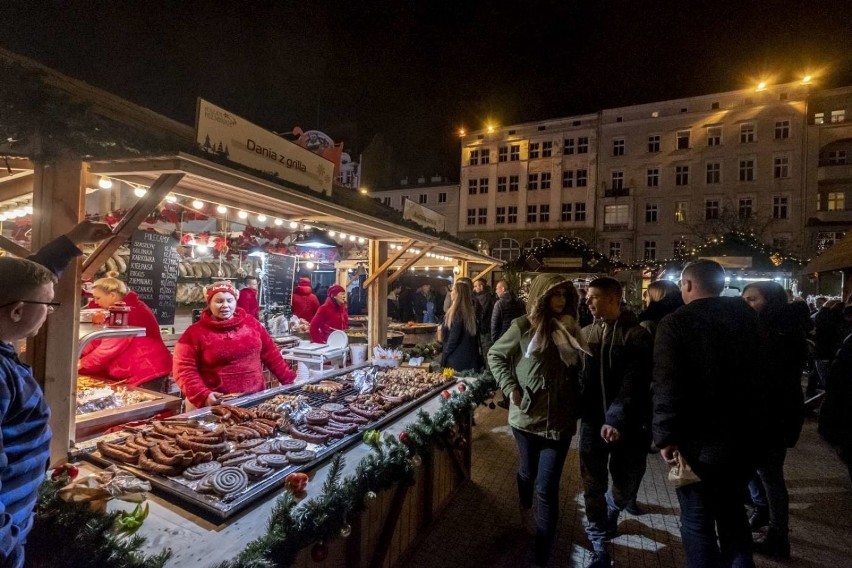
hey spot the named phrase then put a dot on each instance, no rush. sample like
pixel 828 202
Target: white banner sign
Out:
pixel 223 133
pixel 423 215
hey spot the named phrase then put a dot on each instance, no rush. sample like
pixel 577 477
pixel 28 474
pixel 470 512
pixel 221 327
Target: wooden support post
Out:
pixel 486 271
pixel 409 263
pixel 384 543
pixel 13 247
pixel 130 222
pixel 58 200
pixel 465 268
pixel 377 295
pixel 387 264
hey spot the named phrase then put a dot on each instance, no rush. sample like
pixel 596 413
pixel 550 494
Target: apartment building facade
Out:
pixel 652 180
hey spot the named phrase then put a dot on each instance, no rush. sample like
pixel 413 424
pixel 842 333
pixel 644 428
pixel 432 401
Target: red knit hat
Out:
pixel 221 287
pixel 335 290
pixel 304 281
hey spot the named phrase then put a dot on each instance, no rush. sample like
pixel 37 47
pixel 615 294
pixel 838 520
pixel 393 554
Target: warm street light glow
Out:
pixel 806 79
pixel 363 190
pixel 462 132
pixel 761 86
pixel 490 128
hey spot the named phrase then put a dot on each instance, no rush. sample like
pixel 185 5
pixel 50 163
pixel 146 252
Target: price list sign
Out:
pixel 280 272
pixel 152 272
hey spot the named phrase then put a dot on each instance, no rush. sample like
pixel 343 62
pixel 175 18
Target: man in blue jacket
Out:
pixel 614 434
pixel 26 299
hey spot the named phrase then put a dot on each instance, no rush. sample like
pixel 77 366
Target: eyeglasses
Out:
pixel 51 306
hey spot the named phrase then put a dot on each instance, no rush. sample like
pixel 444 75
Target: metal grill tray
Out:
pixel 213 508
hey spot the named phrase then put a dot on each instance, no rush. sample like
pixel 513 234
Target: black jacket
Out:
pixel 617 376
pixel 651 316
pixel 708 391
pixel 506 308
pixel 835 415
pixel 485 299
pixel 460 350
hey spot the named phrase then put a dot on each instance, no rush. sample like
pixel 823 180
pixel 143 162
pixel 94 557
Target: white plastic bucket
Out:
pixel 358 353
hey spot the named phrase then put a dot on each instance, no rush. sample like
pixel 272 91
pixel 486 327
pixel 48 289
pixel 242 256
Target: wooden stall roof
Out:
pixel 219 183
pixel 838 257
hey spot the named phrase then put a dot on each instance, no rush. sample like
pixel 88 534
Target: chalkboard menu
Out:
pixel 152 272
pixel 280 272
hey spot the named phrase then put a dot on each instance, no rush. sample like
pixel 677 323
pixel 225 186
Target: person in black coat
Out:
pixel 783 359
pixel 835 416
pixel 663 298
pixel 459 333
pixel 507 307
pixel 708 410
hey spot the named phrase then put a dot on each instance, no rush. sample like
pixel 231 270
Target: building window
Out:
pixel 650 250
pixel 546 149
pixel 782 167
pixel 568 178
pixel 617 178
pixel 442 197
pixel 579 212
pixel 483 185
pixel 474 158
pixel 836 157
pixel 483 215
pixel 506 249
pixel 514 183
pixel 682 140
pixel 681 175
pixel 653 143
pixel 826 239
pixel 746 209
pixel 503 154
pixel 568 146
pixel 711 209
pixel 532 182
pixel 471 187
pixel 681 210
pixel 484 156
pixel 514 153
pixel 618 147
pixel 501 184
pixel 615 250
pixel 512 215
pixel 837 201
pixel 747 133
pixel 714 173
pixel 471 216
pixel 679 248
pixel 616 215
pixel 819 118
pixel 747 170
pixel 545 180
pixel 544 213
pixel 535 242
pixel 780 205
pixel 714 135
pixel 583 145
pixel 838 116
pixel 500 216
pixel 532 213
pixel 582 178
pixel 782 129
pixel 423 199
pixel 651 211
pixel 534 150
pixel 566 212
pixel 653 177
pixel 386 201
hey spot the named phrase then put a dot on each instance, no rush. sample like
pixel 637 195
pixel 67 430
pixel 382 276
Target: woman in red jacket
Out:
pixel 222 352
pixel 305 302
pixel 331 315
pixel 138 361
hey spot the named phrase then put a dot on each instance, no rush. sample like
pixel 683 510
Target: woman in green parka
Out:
pixel 536 363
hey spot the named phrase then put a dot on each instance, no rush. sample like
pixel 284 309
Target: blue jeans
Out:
pixel 625 461
pixel 715 505
pixel 539 471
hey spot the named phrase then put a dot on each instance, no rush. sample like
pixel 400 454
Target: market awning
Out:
pixel 838 257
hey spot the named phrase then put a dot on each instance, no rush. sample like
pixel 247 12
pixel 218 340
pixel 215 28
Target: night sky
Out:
pixel 415 71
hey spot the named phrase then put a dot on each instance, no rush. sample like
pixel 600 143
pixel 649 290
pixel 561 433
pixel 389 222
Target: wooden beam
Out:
pixel 388 263
pixel 11 246
pixel 129 223
pixel 409 263
pixel 487 270
pixel 377 296
pixel 16 186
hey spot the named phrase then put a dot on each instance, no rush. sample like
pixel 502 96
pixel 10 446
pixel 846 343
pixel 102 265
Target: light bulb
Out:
pixel 293 224
pixel 278 222
pixel 202 249
pixel 198 204
pixel 361 240
pixel 242 215
pixel 171 198
pixel 341 235
pixel 331 233
pixel 140 191
pixel 261 218
pixel 310 265
pixel 352 237
pixel 105 183
pixel 221 209
pixel 306 227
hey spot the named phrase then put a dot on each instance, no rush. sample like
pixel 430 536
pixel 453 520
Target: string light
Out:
pixel 294 225
pixel 105 183
pixel 221 209
pixel 278 222
pixel 242 215
pixel 198 204
pixel 171 198
pixel 261 218
pixel 140 191
pixel 331 233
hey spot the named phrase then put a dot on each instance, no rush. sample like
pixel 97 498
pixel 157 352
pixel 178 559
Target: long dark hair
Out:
pixel 775 310
pixel 542 318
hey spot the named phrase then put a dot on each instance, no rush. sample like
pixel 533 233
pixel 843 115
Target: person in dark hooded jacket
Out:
pixel 663 298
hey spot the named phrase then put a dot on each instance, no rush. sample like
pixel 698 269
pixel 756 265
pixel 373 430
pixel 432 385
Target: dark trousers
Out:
pixel 625 461
pixel 541 462
pixel 768 489
pixel 714 506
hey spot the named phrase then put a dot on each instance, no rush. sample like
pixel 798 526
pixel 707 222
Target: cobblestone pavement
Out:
pixel 481 526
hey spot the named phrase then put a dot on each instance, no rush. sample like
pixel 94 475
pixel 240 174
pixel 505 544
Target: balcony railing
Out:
pixel 834 172
pixel 619 192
